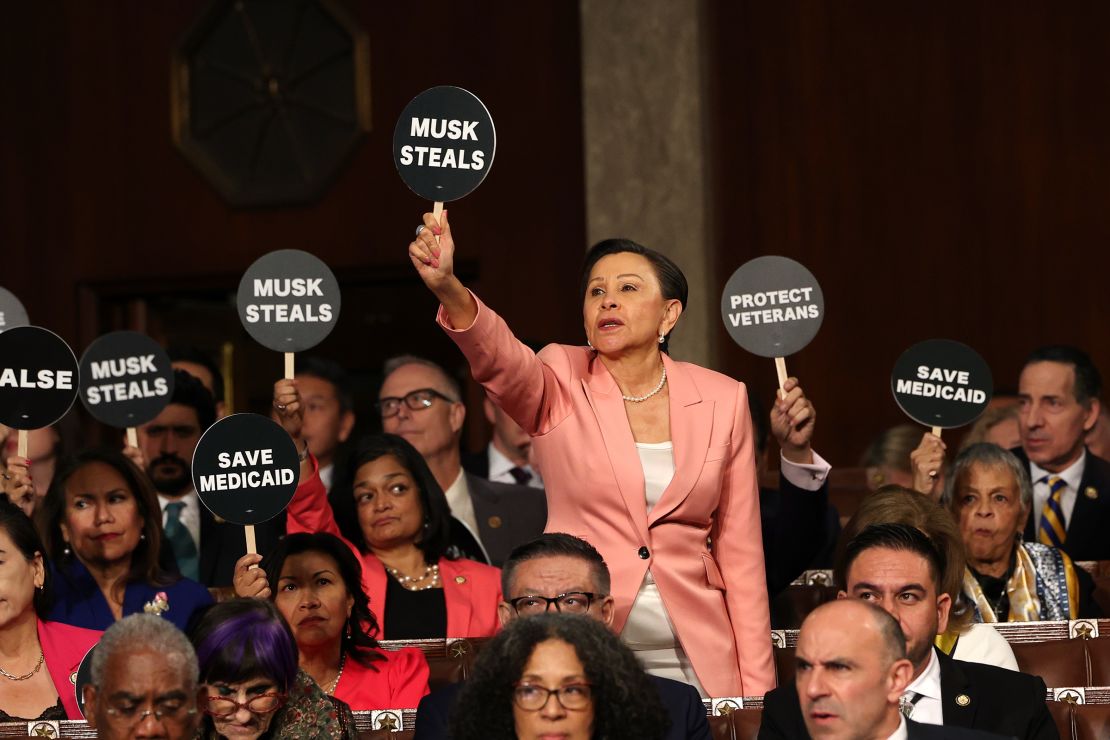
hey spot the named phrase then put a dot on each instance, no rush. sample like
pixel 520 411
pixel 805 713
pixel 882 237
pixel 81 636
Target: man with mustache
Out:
pixel 205 549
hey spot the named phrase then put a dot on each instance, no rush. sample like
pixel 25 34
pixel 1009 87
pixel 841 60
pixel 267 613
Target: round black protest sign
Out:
pixel 288 300
pixel 941 383
pixel 12 312
pixel 246 469
pixel 443 144
pixel 772 306
pixel 126 379
pixel 38 377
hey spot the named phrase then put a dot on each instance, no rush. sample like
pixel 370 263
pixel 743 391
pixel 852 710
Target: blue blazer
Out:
pixel 79 601
pixel 682 702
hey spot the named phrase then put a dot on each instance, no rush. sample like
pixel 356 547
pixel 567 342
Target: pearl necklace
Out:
pixel 641 399
pixel 26 675
pixel 335 683
pixel 409 581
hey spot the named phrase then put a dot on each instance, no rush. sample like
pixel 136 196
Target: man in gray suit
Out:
pixel 422 403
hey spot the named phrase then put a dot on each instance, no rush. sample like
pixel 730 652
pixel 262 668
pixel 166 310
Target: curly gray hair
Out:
pixel 145 631
pixel 990 455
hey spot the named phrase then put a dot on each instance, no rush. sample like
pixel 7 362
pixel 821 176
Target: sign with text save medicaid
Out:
pixel 288 300
pixel 246 469
pixel 942 383
pixel 126 379
pixel 443 143
pixel 772 306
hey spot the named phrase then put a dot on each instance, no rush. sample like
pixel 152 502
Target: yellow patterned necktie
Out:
pixel 1051 531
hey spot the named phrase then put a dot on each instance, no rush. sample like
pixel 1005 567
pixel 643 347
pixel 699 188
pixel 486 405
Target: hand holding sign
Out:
pixel 941 384
pixel 792 420
pixel 38 380
pixel 772 307
pixel 926 462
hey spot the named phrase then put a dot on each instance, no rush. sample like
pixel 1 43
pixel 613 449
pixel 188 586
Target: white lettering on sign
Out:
pixel 245 458
pixel 282 313
pixel 439 128
pixel 938 390
pixel 283 287
pixel 123 366
pixel 434 156
pixel 791 304
pixel 252 479
pixel 114 392
pixel 3 321
pixel 44 380
pixel 948 376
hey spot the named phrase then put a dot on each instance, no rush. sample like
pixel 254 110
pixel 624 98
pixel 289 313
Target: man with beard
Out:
pixel 205 548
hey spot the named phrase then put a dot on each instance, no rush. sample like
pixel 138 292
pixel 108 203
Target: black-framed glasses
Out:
pixel 417 400
pixel 531 698
pixel 573 602
pixel 225 706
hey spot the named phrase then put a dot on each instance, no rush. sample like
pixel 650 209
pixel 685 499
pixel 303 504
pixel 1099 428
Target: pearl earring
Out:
pixel 662 337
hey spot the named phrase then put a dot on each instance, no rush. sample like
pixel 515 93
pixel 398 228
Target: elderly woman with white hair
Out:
pixel 1007 579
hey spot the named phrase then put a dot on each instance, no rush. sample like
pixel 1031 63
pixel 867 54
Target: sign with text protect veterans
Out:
pixel 772 306
pixel 288 300
pixel 443 143
pixel 39 377
pixel 126 379
pixel 246 469
pixel 942 383
pixel 12 312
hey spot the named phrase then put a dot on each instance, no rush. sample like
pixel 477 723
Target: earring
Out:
pixel 66 551
pixel 588 343
pixel 142 535
pixel 662 336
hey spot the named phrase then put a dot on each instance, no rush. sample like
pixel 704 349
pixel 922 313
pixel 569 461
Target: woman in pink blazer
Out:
pixel 417 589
pixel 650 460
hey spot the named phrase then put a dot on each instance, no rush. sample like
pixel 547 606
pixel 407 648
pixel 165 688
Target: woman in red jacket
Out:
pixel 416 587
pixel 27 641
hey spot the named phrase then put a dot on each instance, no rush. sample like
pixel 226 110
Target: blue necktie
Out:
pixel 1052 529
pixel 184 549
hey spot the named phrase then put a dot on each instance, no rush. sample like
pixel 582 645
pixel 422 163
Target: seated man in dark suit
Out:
pixel 852 672
pixel 564 572
pixel 896 567
pixel 1059 389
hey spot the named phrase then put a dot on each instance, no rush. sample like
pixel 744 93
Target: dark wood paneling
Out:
pixel 942 167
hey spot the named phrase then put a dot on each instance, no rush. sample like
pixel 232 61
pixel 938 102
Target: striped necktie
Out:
pixel 1052 530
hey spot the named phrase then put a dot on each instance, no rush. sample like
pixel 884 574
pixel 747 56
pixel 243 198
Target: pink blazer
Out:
pixel 472 590
pixel 572 407
pixel 63 649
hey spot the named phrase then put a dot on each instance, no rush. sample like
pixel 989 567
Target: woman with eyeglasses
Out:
pixel 557 675
pixel 419 587
pixel 251 685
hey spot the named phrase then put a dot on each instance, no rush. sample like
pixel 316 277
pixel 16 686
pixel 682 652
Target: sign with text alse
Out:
pixel 38 378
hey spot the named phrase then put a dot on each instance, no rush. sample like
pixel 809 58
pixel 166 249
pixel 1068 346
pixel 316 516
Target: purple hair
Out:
pixel 241 639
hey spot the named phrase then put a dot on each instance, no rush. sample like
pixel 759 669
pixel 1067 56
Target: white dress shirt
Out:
pixel 190 513
pixel 901 733
pixel 1072 476
pixel 327 475
pixel 929 709
pixel 499 467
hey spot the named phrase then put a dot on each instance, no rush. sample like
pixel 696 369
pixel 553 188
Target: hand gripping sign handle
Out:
pixel 22 448
pixel 780 366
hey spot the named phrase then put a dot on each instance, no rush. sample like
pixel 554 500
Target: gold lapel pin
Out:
pixel 495 522
pixel 1090 492
pixel 963 700
pixel 460 579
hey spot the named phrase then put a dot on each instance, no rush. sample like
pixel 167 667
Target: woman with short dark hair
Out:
pixel 102 527
pixel 252 687
pixel 557 675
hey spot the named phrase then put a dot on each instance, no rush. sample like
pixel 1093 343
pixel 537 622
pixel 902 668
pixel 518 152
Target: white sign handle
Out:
pixel 252 546
pixel 23 444
pixel 132 437
pixel 289 374
pixel 936 431
pixel 437 214
pixel 780 366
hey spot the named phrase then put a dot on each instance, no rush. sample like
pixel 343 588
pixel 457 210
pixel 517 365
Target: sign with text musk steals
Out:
pixel 772 306
pixel 245 469
pixel 942 383
pixel 288 300
pixel 126 379
pixel 12 312
pixel 443 143
pixel 38 377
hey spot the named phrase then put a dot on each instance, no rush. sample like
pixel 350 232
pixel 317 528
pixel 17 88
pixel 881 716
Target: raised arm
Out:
pixel 433 255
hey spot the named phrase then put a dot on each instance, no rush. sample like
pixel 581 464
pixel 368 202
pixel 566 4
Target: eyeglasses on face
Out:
pixel 225 706
pixel 532 698
pixel 170 711
pixel 417 400
pixel 573 602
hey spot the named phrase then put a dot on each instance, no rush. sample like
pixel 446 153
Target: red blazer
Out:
pixel 571 405
pixel 472 590
pixel 399 682
pixel 63 649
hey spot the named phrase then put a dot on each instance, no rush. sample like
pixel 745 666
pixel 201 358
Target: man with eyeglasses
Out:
pixel 144 681
pixel 420 402
pixel 565 573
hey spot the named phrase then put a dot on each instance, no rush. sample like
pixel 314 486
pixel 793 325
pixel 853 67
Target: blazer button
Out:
pixel 644 554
